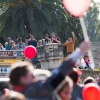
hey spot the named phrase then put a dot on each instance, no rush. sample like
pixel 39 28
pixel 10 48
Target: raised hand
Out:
pixel 85 46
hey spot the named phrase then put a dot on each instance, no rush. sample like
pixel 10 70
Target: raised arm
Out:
pixel 74 38
pixel 44 90
pixel 73 34
pixel 59 73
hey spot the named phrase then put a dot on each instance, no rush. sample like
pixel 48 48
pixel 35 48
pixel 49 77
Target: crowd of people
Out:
pixel 82 63
pixel 63 83
pixel 30 40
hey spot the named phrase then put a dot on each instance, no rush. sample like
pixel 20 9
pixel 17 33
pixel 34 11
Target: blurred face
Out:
pixel 53 35
pixel 28 79
pixel 0 45
pixel 86 58
pixel 70 40
pixel 40 43
pixel 12 44
pixel 20 42
pixel 65 94
pixel 32 37
pixel 46 37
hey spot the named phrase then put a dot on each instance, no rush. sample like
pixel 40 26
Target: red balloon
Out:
pixel 76 7
pixel 91 91
pixel 30 52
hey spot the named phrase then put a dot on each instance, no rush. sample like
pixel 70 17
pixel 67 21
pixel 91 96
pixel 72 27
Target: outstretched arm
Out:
pixel 59 73
pixel 42 90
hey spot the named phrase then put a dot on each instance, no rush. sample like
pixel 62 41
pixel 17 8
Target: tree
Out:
pixel 92 22
pixel 37 17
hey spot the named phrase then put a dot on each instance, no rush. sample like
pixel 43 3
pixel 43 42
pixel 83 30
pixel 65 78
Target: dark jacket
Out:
pixel 41 90
pixel 77 92
pixel 33 43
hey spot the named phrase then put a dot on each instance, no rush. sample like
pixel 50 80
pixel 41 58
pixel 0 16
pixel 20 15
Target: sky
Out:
pixel 97 0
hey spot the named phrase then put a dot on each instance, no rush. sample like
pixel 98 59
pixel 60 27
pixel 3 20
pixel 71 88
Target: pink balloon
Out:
pixel 76 7
pixel 91 91
pixel 30 52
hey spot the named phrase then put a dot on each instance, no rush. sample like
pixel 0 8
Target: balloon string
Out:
pixel 86 38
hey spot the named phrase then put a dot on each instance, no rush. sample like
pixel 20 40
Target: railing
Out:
pixel 11 53
pixel 91 73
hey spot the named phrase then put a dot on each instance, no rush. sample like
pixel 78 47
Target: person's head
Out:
pixel 46 36
pixel 9 38
pixel 66 90
pixel 86 57
pixel 20 41
pixel 53 35
pixel 14 96
pixel 6 43
pixel 89 80
pixel 1 46
pixel 40 42
pixel 21 74
pixel 70 39
pixel 75 75
pixel 12 44
pixel 31 37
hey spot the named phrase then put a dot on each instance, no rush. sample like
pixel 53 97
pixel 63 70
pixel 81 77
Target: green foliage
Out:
pixel 37 17
pixel 92 22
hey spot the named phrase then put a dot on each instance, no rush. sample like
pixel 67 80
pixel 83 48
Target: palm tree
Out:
pixel 37 17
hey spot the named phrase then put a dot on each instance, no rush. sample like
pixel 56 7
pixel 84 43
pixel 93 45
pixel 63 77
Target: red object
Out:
pixel 91 91
pixel 19 88
pixel 79 72
pixel 76 7
pixel 30 52
pixel 87 61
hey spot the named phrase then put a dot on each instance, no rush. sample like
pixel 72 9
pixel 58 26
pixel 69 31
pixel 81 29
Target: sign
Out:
pixel 10 53
pixel 4 70
pixel 9 62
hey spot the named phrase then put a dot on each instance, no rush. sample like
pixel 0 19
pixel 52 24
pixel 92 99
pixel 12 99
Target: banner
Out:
pixel 9 62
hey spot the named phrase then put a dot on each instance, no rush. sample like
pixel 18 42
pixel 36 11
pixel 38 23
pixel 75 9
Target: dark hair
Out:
pixel 20 39
pixel 89 80
pixel 19 70
pixel 27 37
pixel 86 56
pixel 64 84
pixel 46 35
pixel 74 76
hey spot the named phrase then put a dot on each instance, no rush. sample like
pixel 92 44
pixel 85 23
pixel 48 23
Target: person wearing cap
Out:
pixel 20 45
pixel 77 88
pixel 23 79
